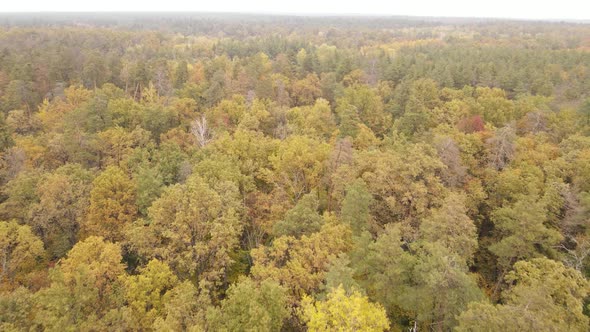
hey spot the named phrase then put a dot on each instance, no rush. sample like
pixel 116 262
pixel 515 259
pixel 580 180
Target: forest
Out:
pixel 209 172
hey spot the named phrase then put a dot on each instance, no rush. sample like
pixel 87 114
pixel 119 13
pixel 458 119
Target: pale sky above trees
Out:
pixel 525 9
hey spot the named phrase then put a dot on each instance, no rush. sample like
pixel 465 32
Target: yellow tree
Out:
pixel 82 289
pixel 112 205
pixel 344 312
pixel 193 228
pixel 116 144
pixel 298 166
pixel 20 251
pixel 147 293
pixel 300 265
pixel 314 121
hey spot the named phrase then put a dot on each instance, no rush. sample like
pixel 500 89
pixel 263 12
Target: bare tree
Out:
pixel 162 81
pixel 250 96
pixel 13 162
pixel 501 147
pixel 576 257
pixel 535 122
pixel 448 152
pixel 341 155
pixel 200 129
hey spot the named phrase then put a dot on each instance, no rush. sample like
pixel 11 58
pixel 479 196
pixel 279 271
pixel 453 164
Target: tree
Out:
pixel 543 295
pixel 249 151
pixel 184 310
pixel 422 280
pixel 251 307
pixel 523 232
pixel 117 144
pixel 169 159
pixel 306 91
pixel 181 74
pixel 349 120
pixel 258 116
pixel 423 98
pixel 21 252
pixel 193 228
pixel 450 227
pixel 455 172
pixel 112 205
pixel 361 101
pixel 147 293
pixel 365 139
pixel 298 166
pixel 440 288
pixel 95 71
pixel 496 109
pixel 342 312
pixel 303 219
pixel 303 61
pixel 149 185
pixel 424 94
pixel 501 147
pixel 6 140
pixel 16 310
pixel 227 114
pixel 403 181
pixel 156 117
pixel 314 121
pixel 63 202
pixel 356 207
pixel 19 94
pixel 82 290
pixel 201 131
pixel 21 194
pixel 341 274
pixel 285 260
pixel 471 124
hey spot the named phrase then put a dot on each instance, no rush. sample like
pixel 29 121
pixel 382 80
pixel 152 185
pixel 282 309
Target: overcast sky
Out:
pixel 527 9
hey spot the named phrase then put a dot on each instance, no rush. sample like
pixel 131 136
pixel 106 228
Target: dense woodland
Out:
pixel 255 173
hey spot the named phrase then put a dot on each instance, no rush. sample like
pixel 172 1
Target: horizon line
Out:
pixel 298 14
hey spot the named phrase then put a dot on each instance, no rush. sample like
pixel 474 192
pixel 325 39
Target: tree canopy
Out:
pixel 217 172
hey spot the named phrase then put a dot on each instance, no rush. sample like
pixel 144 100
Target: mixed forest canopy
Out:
pixel 192 172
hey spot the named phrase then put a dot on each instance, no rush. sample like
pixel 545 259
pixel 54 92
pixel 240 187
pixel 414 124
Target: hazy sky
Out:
pixel 530 9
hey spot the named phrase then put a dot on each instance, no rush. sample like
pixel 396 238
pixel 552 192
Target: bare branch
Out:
pixel 201 131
